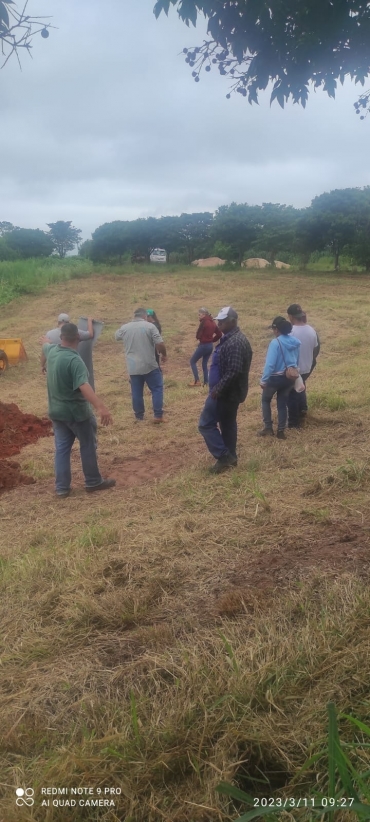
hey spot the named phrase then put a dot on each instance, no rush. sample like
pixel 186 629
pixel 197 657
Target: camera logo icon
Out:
pixel 25 797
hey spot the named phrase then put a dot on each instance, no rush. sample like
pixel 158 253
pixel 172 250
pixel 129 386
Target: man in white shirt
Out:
pixel 141 339
pixel 308 352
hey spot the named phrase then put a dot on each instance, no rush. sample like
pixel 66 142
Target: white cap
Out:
pixel 63 318
pixel 227 312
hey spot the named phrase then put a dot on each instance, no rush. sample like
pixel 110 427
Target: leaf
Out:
pixel 258 812
pixel 333 736
pixel 188 12
pixel 162 5
pixel 360 725
pixel 337 758
pixel 230 790
pixel 134 718
pixel 4 16
pixel 229 651
pixel 364 810
pixel 311 761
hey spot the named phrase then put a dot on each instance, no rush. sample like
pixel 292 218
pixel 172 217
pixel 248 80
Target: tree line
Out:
pixel 23 243
pixel 336 223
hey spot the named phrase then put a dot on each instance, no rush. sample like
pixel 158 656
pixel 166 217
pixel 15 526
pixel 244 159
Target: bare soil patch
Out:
pixel 16 431
pixel 151 466
pixel 331 552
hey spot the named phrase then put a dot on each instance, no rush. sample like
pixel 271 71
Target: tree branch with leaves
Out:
pixel 294 44
pixel 17 29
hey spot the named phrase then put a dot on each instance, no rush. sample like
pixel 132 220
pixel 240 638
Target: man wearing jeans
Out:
pixel 141 340
pixel 282 353
pixel 70 396
pixel 228 384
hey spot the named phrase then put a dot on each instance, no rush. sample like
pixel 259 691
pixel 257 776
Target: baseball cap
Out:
pixel 295 310
pixel 150 311
pixel 227 313
pixel 282 324
pixel 63 318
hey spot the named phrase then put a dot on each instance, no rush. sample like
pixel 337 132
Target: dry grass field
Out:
pixel 185 629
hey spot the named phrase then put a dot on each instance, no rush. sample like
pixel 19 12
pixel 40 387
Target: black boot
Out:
pixel 280 435
pixel 266 432
pixel 222 464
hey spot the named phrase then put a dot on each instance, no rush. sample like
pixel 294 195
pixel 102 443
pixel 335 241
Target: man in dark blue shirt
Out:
pixel 228 387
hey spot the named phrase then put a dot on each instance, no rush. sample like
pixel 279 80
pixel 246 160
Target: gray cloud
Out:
pixel 106 123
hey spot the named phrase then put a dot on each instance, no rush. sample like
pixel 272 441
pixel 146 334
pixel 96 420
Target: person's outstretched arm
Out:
pixel 90 396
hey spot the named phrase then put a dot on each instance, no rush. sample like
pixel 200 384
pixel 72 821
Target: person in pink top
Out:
pixel 207 334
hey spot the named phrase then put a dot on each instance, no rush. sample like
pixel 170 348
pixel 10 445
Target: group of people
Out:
pixel 290 359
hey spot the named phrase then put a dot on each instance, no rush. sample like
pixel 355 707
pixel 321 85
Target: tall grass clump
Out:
pixel 31 276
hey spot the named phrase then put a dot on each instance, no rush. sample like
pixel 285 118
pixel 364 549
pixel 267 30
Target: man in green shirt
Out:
pixel 70 395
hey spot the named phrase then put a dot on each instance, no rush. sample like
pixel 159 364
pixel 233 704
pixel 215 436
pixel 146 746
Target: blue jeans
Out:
pixel 218 427
pixel 203 352
pixel 65 434
pixel 281 386
pixel 154 381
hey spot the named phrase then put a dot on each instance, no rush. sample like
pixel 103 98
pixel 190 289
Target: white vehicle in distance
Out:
pixel 158 255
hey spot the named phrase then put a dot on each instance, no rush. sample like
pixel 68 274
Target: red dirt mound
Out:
pixel 16 431
pixel 11 476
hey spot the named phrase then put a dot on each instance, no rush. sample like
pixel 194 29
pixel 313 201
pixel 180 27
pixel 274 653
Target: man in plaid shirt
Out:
pixel 228 387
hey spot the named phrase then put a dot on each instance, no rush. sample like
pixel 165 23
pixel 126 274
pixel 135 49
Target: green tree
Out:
pixel 276 231
pixel 30 242
pixel 6 253
pixel 110 241
pixel 290 43
pixel 194 231
pixel 341 214
pixel 309 236
pixel 142 235
pixel 86 249
pixel 17 29
pixel 188 234
pixel 236 226
pixel 360 248
pixel 5 227
pixel 64 236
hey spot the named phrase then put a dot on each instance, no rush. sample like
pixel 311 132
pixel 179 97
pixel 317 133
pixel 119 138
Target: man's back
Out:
pixel 65 373
pixel 139 339
pixel 308 337
pixel 54 335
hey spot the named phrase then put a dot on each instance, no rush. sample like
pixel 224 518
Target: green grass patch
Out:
pixel 328 400
pixel 19 277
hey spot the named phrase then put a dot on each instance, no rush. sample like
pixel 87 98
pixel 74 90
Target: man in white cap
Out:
pixel 228 387
pixel 53 336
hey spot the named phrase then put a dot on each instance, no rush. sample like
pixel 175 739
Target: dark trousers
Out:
pixel 218 427
pixel 297 402
pixel 281 386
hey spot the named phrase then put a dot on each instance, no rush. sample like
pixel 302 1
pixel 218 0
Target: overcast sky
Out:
pixel 106 123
